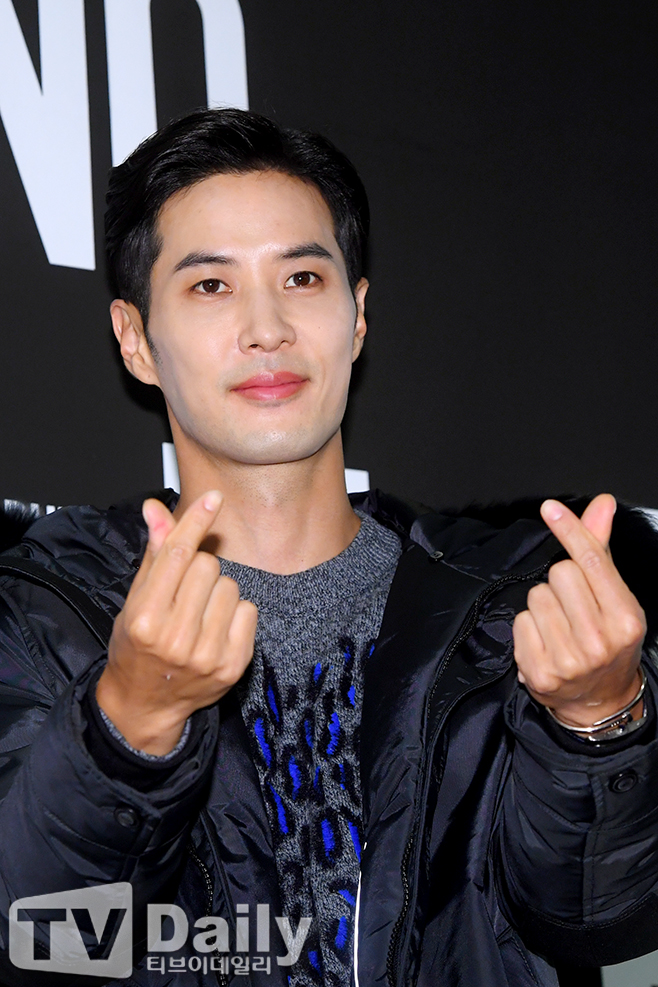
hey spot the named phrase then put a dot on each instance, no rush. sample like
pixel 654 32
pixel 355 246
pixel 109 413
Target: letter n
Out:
pixel 47 126
pixel 131 84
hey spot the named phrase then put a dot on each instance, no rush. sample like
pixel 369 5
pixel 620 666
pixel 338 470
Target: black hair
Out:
pixel 220 141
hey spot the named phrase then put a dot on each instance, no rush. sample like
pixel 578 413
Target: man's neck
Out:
pixel 282 518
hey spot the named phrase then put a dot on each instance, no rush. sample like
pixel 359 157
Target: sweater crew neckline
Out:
pixel 359 567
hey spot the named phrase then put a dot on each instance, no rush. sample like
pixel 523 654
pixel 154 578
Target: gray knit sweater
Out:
pixel 301 702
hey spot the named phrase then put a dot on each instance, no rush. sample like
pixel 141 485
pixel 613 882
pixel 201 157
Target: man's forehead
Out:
pixel 248 208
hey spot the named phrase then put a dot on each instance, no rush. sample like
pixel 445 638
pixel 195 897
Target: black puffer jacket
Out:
pixel 493 850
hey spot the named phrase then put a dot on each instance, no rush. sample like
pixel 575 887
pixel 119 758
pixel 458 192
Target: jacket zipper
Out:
pixel 393 959
pixel 206 877
pixel 222 978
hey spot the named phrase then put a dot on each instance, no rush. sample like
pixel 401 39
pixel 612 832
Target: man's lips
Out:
pixel 270 386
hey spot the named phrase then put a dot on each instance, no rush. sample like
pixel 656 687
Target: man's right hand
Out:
pixel 183 638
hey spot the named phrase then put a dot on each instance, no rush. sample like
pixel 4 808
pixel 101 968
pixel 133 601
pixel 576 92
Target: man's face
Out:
pixel 252 319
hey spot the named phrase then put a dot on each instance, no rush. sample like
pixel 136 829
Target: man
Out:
pixel 377 766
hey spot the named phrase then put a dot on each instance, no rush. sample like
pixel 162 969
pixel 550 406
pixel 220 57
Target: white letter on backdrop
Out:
pixel 47 127
pixel 131 85
pixel 130 66
pixel 224 51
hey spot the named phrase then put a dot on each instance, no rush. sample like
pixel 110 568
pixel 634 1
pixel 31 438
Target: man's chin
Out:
pixel 281 451
pixel 277 459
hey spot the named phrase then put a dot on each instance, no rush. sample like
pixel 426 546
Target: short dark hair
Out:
pixel 211 142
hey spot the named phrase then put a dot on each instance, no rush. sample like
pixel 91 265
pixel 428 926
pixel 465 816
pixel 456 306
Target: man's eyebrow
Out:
pixel 306 250
pixel 199 258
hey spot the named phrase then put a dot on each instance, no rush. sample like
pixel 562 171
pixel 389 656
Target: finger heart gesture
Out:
pixel 183 638
pixel 578 645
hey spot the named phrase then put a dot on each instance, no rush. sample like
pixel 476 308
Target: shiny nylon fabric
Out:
pixel 437 759
pixel 459 930
pixel 400 727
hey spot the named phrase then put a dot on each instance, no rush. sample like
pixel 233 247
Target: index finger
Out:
pixel 591 556
pixel 181 545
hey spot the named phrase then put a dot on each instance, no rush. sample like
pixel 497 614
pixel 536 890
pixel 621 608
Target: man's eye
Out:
pixel 210 286
pixel 302 279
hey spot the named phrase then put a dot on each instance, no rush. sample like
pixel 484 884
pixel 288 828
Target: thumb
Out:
pixel 598 516
pixel 160 523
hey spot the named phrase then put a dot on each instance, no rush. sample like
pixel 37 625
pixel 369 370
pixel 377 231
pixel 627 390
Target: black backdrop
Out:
pixel 509 150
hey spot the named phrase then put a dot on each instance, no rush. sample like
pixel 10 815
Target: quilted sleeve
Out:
pixel 577 843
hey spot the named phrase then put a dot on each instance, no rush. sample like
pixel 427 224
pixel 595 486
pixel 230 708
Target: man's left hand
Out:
pixel 578 645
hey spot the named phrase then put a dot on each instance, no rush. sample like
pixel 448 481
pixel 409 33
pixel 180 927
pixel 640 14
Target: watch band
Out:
pixel 619 724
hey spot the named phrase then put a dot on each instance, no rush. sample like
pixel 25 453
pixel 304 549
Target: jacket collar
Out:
pixel 473 538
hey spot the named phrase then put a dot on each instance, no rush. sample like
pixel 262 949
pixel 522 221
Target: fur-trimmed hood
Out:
pixel 14 523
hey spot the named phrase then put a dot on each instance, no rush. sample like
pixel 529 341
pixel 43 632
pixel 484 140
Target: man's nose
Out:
pixel 264 326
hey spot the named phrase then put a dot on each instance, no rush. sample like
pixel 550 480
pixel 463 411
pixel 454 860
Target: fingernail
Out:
pixel 552 510
pixel 212 500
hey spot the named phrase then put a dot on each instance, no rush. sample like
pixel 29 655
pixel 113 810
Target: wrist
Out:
pixel 625 720
pixel 153 731
pixel 577 715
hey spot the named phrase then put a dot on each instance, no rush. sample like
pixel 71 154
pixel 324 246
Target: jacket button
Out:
pixel 126 816
pixel 623 782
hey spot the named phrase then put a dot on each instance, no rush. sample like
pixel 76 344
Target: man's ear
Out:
pixel 135 350
pixel 360 327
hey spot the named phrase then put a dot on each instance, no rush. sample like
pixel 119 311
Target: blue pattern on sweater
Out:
pixel 296 776
pixel 259 730
pixel 281 811
pixel 334 733
pixel 341 934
